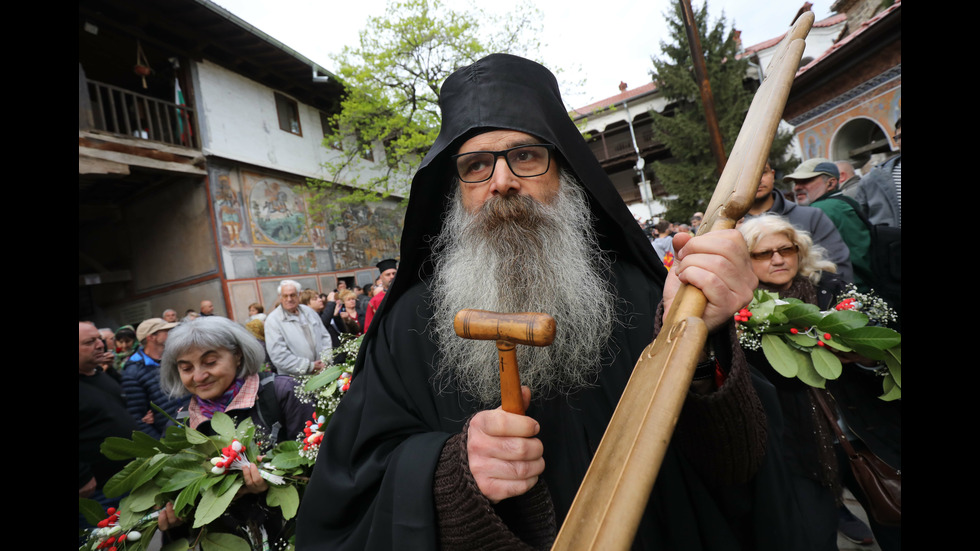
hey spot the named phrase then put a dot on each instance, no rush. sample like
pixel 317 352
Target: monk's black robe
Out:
pixel 375 485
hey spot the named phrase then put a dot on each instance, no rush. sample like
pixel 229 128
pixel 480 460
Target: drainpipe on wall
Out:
pixel 646 193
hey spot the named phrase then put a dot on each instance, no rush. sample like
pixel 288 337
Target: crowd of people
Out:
pixel 166 369
pixel 510 212
pixel 808 244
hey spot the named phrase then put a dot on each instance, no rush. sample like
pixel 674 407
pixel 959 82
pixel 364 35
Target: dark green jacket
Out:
pixel 853 231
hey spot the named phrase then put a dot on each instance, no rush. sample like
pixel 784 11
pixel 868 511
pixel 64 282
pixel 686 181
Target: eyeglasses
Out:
pixel 783 252
pixel 525 161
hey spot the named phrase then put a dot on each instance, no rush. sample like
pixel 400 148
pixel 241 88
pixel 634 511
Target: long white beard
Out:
pixel 518 255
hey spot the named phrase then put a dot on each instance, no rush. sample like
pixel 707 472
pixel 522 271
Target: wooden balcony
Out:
pixel 124 113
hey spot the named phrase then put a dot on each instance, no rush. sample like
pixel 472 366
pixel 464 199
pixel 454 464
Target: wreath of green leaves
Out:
pixel 177 468
pixel 797 339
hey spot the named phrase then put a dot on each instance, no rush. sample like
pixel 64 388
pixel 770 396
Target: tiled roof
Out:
pixel 828 22
pixel 857 32
pixel 614 100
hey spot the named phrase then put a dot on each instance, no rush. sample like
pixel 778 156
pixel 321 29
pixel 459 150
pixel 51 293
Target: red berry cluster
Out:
pixel 743 315
pixel 313 434
pixel 111 520
pixel 230 454
pixel 846 304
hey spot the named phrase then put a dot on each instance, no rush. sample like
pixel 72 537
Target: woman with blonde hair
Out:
pixel 787 262
pixel 785 259
pixel 346 314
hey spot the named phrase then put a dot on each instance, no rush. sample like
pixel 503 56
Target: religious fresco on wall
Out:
pixel 814 143
pixel 884 108
pixel 364 236
pixel 278 213
pixel 229 211
pixel 276 261
pixel 228 208
pixel 267 222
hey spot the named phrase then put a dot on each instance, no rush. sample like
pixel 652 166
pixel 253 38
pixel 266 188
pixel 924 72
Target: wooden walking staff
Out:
pixel 614 493
pixel 509 330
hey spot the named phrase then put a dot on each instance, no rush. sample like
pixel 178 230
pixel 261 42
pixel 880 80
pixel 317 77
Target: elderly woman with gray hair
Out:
pixel 217 361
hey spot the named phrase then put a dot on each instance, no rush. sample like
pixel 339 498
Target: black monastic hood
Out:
pixel 507 92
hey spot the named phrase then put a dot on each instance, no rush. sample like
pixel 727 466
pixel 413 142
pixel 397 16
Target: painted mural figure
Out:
pixel 229 213
pixel 273 215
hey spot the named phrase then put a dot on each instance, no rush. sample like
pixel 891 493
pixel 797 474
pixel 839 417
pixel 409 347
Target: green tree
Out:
pixel 691 172
pixel 393 80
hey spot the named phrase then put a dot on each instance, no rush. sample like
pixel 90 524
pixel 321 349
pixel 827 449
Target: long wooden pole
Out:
pixel 614 493
pixel 715 139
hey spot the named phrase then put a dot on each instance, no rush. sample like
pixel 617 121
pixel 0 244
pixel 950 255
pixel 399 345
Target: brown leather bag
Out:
pixel 880 483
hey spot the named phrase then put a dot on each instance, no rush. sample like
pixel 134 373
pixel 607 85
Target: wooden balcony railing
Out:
pixel 126 113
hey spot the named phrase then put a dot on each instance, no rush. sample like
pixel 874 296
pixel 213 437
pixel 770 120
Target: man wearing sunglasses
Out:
pixel 511 212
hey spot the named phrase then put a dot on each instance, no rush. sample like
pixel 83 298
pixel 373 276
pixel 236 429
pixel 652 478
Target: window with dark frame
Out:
pixel 288 112
pixel 365 149
pixel 330 128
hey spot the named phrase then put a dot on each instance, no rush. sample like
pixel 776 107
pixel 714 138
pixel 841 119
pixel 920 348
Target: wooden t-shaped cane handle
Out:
pixel 509 330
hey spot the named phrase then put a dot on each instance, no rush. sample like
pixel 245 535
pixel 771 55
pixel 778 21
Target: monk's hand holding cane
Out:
pixel 504 456
pixel 718 264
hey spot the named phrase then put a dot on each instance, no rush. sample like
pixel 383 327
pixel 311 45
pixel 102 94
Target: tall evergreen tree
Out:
pixel 691 172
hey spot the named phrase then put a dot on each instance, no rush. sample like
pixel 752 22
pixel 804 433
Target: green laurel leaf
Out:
pixel 842 321
pixel 223 425
pixel 289 460
pixel 188 496
pixel 880 338
pixel 125 480
pixel 781 356
pixel 893 359
pixel 195 437
pixel 324 377
pixel 892 390
pixel 826 363
pixel 284 497
pixel 91 510
pixel 119 449
pixel 802 314
pixel 180 545
pixel 213 504
pixel 808 374
pixel 143 497
pixel 801 339
pixel 221 541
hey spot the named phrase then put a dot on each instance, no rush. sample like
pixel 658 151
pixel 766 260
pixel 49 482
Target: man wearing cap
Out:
pixel 294 334
pixel 388 269
pixel 141 379
pixel 812 220
pixel 815 184
pixel 511 212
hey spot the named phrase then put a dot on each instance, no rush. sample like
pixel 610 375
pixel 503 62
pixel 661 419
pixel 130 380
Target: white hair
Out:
pixel 287 282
